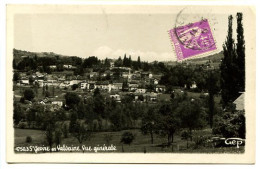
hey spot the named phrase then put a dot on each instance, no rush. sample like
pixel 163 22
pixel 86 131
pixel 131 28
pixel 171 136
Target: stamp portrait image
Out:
pixel 193 39
pixel 130 84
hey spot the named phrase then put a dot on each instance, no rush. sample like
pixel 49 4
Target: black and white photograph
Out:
pixel 138 81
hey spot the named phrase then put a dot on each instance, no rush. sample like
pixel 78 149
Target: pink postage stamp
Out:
pixel 192 40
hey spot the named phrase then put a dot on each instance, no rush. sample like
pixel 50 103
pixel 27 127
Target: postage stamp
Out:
pixel 192 40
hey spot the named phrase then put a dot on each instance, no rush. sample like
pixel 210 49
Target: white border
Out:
pixel 3 86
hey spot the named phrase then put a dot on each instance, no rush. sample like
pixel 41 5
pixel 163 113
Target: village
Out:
pixel 143 86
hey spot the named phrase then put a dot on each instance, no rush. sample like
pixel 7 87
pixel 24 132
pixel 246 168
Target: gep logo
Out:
pixel 234 142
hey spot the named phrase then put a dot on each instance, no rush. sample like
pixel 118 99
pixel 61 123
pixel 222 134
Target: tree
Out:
pixel 185 135
pixel 49 126
pixel 229 68
pixel 231 124
pixel 168 121
pixel 240 50
pixel 212 84
pixel 72 99
pixel 99 103
pixel 29 94
pixel 49 134
pixel 191 114
pixel 125 86
pixel 16 77
pixel 57 135
pixel 119 62
pixel 139 62
pixel 108 138
pixel 19 113
pixel 73 121
pixel 127 138
pixel 74 86
pixel 31 80
pixel 149 123
pixel 81 132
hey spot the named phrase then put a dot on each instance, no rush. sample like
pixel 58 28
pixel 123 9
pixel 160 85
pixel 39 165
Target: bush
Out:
pixel 231 124
pixel 74 86
pixel 28 139
pixel 127 137
pixel 65 131
pixel 22 100
pixel 22 125
pixel 29 94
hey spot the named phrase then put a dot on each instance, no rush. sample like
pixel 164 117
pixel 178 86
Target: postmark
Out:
pixel 192 40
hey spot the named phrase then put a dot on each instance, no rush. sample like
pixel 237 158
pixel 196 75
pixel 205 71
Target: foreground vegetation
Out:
pixel 141 143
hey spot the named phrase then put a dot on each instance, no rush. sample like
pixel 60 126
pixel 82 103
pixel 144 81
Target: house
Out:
pixel 150 75
pixel 91 85
pixel 72 82
pixel 240 102
pixel 116 97
pixel 112 64
pixel 53 67
pixel 67 66
pixel 116 86
pixel 152 97
pixel 103 85
pixel 40 82
pixel 93 74
pixel 64 84
pixel 59 103
pixel 51 83
pixel 140 90
pixel 84 85
pixel 133 86
pixel 193 85
pixel 155 81
pixel 146 75
pixel 39 75
pixel 24 81
pixel 160 88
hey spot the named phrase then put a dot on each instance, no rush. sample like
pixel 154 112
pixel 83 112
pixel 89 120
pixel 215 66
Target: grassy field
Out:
pixel 142 143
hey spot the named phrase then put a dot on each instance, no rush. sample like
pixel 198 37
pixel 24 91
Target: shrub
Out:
pixel 22 125
pixel 29 94
pixel 22 100
pixel 28 139
pixel 231 124
pixel 108 138
pixel 127 137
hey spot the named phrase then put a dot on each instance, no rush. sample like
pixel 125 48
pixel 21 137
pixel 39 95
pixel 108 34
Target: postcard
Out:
pixel 130 84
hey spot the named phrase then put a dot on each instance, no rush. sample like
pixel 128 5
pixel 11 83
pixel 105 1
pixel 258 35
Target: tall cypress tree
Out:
pixel 229 68
pixel 240 50
pixel 139 62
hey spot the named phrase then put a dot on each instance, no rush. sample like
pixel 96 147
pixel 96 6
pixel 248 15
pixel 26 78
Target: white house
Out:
pixel 155 81
pixel 116 97
pixel 140 90
pixel 24 81
pixel 240 102
pixel 193 85
pixel 104 85
pixel 84 85
pixel 116 86
pixel 67 66
pixel 150 75
pixel 53 66
pixel 59 103
pixel 160 88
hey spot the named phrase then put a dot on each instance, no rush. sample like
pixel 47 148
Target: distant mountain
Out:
pixel 18 54
pixel 215 58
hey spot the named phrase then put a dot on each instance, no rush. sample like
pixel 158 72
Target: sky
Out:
pixel 105 35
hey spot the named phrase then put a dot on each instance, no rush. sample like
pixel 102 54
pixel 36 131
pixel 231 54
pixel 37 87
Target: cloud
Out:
pixel 107 52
